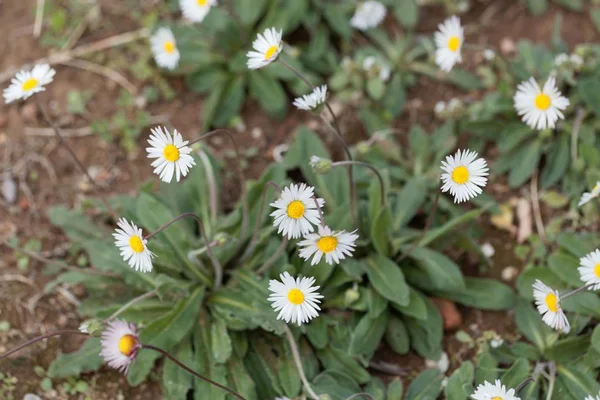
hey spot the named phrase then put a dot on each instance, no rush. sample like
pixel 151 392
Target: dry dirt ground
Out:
pixel 41 159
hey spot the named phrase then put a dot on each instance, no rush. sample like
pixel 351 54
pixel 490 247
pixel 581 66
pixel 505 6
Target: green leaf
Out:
pixel 525 164
pixel 249 10
pixel 558 162
pixel 460 383
pixel 565 267
pixel 589 90
pixel 576 243
pixel 416 308
pixel 410 198
pixel 204 363
pixel 516 373
pixel 568 349
pixel 531 326
pixel 176 381
pixel 268 92
pixel 528 277
pixel 426 386
pixel 407 13
pixel 387 279
pixel 585 303
pixel 396 335
pixel 394 390
pixel 578 383
pixel 240 380
pixel 338 20
pixel 336 359
pixel 221 343
pixel 537 7
pixel 426 336
pixel 381 230
pixel 485 294
pixel 367 335
pixel 441 271
pixel 486 368
pixel 86 359
pixel 165 333
pixel 231 101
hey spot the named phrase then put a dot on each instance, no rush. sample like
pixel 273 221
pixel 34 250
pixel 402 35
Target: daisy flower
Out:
pixel 464 175
pixel 448 40
pixel 588 196
pixel 196 10
pixel 590 269
pixel 368 15
pixel 487 391
pixel 164 48
pixel 27 83
pixel 371 62
pixel 334 245
pixel 119 344
pixel 540 109
pixel 295 299
pixel 172 154
pixel 296 211
pixel 266 48
pixel 548 304
pixel 312 100
pixel 129 239
pixel 592 397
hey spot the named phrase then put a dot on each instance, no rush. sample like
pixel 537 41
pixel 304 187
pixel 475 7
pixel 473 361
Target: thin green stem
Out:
pixel 42 337
pixel 131 303
pixel 585 287
pixel 525 382
pixel 265 267
pixel 298 361
pixel 372 168
pixel 552 368
pixel 215 262
pixel 191 371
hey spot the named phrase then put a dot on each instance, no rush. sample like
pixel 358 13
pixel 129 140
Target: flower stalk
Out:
pixel 42 337
pixel 369 166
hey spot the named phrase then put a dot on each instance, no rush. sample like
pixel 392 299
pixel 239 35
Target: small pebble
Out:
pixel 509 273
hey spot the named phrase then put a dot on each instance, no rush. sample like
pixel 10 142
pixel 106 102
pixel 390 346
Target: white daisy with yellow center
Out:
pixel 196 10
pixel 548 304
pixel 589 196
pixel 119 345
pixel 27 83
pixel 589 271
pixel 164 48
pixel 296 211
pixel 335 246
pixel 295 299
pixel 172 154
pixel 131 242
pixel 313 100
pixel 267 47
pixel 497 391
pixel 368 15
pixel 448 42
pixel 540 108
pixel 464 175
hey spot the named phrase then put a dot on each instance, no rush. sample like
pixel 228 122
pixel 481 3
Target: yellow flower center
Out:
pixel 270 52
pixel 169 47
pixel 30 84
pixel 126 345
pixel 202 3
pixel 136 244
pixel 597 270
pixel 595 188
pixel 295 209
pixel 296 297
pixel 497 398
pixel 552 302
pixel 542 101
pixel 171 153
pixel 460 175
pixel 327 244
pixel 453 43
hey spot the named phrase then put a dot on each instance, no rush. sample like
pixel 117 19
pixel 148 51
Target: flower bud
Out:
pixel 320 165
pixel 92 326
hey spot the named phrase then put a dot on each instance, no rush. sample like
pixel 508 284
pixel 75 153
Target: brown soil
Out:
pixel 489 23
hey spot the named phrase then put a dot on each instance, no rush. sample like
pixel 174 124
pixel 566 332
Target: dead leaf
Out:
pixel 525 220
pixel 504 220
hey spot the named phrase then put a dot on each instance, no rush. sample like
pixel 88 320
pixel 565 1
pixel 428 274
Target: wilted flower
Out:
pixel 449 40
pixel 295 299
pixel 540 108
pixel 27 83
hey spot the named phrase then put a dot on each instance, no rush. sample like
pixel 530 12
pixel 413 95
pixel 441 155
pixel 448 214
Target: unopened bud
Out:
pixel 93 327
pixel 320 165
pixel 351 295
pixel 221 238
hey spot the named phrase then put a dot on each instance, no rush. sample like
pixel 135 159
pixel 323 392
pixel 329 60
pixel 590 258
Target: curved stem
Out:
pixel 426 229
pixel 522 384
pixel 274 257
pixel 372 168
pixel 242 179
pixel 585 287
pixel 130 303
pixel 191 371
pixel 254 239
pixel 320 210
pixel 80 165
pixel 552 369
pixel 212 186
pixel 357 395
pixel 298 362
pixel 215 262
pixel 38 338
